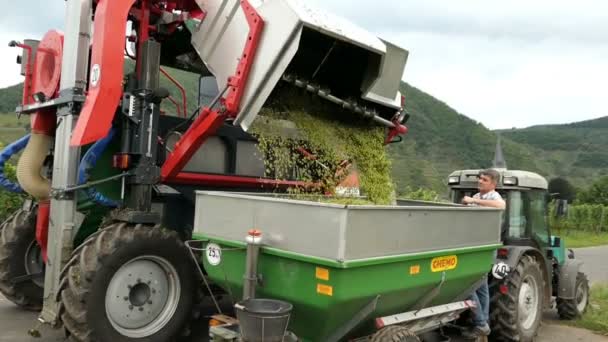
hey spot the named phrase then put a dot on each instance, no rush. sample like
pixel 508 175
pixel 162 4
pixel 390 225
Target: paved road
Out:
pixel 15 323
pixel 595 263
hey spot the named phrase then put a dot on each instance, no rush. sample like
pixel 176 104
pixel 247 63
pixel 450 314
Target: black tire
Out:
pixel 575 307
pixel 17 243
pixel 90 272
pixel 395 333
pixel 504 308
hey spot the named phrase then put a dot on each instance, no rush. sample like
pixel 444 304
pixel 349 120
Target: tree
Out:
pixel 562 187
pixel 597 193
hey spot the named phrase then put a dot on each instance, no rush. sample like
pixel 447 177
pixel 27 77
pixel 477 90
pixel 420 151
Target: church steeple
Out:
pixel 499 159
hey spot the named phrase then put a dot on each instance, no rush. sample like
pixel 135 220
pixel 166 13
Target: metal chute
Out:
pixel 306 47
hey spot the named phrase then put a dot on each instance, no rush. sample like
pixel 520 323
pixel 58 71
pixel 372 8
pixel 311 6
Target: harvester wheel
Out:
pixel 395 333
pixel 129 283
pixel 20 256
pixel 575 307
pixel 516 315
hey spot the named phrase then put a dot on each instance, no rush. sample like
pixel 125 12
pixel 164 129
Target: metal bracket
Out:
pixel 163 190
pixel 132 216
pixel 63 100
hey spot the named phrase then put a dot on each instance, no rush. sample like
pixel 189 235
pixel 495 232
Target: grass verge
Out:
pixel 596 317
pixel 578 239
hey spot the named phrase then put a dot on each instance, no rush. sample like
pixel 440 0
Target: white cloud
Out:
pixel 24 20
pixel 8 56
pixel 515 63
pixel 505 64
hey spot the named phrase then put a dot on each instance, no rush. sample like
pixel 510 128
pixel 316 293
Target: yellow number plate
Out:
pixel 444 263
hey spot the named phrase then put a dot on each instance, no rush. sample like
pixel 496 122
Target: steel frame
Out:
pixel 62 223
pixel 77 127
pixel 426 319
pixel 210 119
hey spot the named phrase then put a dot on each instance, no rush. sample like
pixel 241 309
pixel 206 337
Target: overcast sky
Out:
pixel 505 63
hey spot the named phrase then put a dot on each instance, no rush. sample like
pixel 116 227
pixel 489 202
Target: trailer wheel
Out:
pixel 516 316
pixel 395 333
pixel 129 283
pixel 575 307
pixel 21 256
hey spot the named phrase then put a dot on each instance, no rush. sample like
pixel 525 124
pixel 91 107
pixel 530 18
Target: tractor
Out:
pixel 111 174
pixel 533 267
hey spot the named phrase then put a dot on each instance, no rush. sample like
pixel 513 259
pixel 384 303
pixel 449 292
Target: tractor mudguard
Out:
pixel 517 252
pixel 567 278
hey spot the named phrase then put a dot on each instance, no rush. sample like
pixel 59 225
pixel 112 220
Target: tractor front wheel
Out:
pixel 575 307
pixel 516 315
pixel 21 264
pixel 129 283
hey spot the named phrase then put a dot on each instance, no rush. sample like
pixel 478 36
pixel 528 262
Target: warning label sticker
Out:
pixel 214 254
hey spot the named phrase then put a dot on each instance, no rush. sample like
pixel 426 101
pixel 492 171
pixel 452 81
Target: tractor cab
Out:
pixel 532 267
pixel 525 193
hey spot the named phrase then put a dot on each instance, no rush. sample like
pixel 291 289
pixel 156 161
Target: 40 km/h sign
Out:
pixel 444 263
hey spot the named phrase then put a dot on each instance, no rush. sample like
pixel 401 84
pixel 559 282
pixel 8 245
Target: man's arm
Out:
pixel 497 203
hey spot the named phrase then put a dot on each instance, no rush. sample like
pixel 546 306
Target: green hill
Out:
pixel 441 140
pixel 11 127
pixel 10 98
pixel 577 149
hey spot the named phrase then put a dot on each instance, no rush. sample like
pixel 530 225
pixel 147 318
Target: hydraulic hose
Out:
pixel 30 166
pixel 6 154
pixel 88 162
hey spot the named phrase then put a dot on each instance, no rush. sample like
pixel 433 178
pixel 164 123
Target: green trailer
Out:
pixel 349 269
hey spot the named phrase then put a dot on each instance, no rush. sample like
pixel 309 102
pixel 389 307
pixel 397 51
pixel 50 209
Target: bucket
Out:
pixel 263 320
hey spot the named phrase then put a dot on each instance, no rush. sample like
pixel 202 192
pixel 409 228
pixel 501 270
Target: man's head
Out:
pixel 488 180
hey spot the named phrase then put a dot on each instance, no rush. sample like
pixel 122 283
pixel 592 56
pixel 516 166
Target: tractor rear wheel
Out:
pixel 129 283
pixel 575 307
pixel 395 333
pixel 516 315
pixel 20 257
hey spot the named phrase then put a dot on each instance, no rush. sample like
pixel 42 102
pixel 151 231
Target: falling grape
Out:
pixel 332 135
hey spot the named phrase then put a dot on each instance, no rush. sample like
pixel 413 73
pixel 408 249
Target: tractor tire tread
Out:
pixel 18 226
pixel 503 315
pixel 567 308
pixel 87 260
